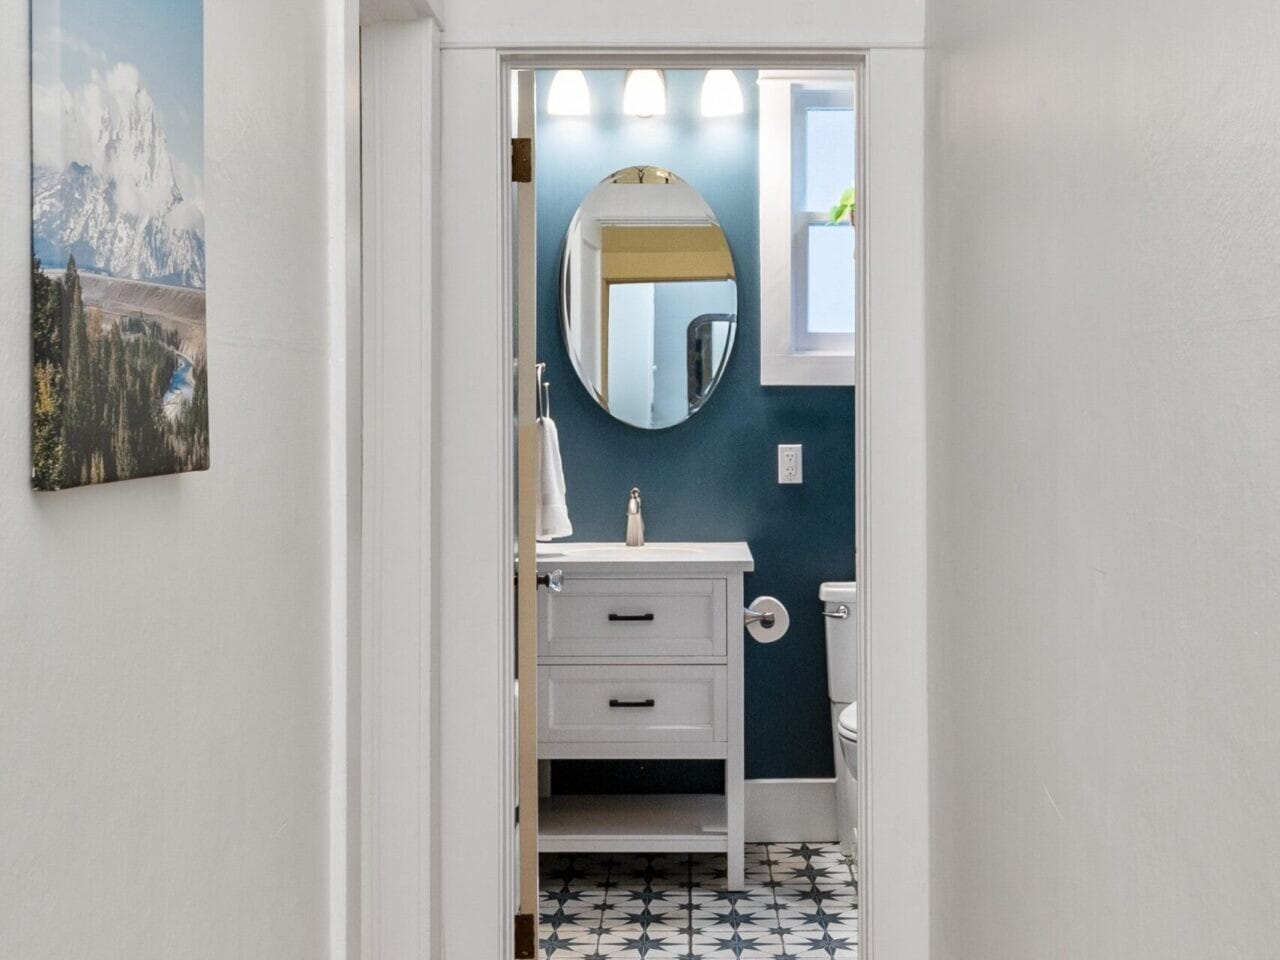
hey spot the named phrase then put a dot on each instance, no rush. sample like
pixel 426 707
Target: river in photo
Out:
pixel 182 388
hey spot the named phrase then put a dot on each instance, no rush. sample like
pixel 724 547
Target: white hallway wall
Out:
pixel 164 716
pixel 1103 188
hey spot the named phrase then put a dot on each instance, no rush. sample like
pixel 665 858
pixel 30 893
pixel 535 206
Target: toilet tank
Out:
pixel 842 640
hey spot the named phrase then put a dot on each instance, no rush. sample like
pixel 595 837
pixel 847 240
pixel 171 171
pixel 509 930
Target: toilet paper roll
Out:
pixel 781 620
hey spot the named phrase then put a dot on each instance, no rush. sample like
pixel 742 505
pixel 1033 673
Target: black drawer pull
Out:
pixel 630 617
pixel 631 703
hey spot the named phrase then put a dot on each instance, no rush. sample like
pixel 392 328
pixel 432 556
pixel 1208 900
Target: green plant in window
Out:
pixel 845 207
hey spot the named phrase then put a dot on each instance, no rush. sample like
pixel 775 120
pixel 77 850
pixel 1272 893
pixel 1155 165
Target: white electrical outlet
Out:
pixel 790 463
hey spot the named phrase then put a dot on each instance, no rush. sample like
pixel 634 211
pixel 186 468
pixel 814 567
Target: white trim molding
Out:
pixel 389 11
pixel 473 544
pixel 890 539
pixel 785 359
pixel 342 162
pixel 791 811
pixel 676 24
pixel 399 865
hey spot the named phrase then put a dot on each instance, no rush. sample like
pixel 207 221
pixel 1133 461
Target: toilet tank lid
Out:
pixel 844 591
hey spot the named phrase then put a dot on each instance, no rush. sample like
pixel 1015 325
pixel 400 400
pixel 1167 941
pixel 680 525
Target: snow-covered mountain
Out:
pixel 116 206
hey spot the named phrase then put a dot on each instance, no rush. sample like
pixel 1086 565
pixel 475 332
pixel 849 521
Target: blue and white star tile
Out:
pixel 558 944
pixel 747 916
pixel 829 945
pixel 832 858
pixel 563 897
pixel 642 945
pixel 566 917
pixel 801 902
pixel 813 873
pixel 721 944
pixel 673 923
pixel 805 897
pixel 712 898
pixel 806 917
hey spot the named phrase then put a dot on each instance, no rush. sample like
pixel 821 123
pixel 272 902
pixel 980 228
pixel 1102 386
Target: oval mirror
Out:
pixel 648 297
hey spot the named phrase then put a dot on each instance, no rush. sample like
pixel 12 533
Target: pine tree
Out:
pixel 46 427
pixel 121 447
pixel 115 405
pixel 78 410
pixel 46 332
pixel 199 419
pixel 46 382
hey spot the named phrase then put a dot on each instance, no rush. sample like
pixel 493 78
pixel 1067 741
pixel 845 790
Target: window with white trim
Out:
pixel 808 270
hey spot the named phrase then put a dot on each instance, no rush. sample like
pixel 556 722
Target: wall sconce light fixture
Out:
pixel 721 94
pixel 645 94
pixel 569 96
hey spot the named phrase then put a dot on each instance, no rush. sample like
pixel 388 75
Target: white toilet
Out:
pixel 839 609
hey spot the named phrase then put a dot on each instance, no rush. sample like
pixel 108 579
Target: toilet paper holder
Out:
pixel 766 619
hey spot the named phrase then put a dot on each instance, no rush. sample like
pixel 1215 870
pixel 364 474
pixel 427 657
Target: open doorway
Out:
pixel 685 295
pixel 465 800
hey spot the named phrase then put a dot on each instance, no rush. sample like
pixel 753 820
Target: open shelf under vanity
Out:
pixel 634 823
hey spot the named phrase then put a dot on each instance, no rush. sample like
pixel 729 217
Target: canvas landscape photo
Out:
pixel 119 367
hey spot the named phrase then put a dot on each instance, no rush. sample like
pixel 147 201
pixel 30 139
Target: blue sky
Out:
pixel 164 39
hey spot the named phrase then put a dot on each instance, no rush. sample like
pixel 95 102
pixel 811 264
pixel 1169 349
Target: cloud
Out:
pixel 78 45
pixel 55 141
pixel 189 214
pixel 111 124
pixel 55 50
pixel 189 182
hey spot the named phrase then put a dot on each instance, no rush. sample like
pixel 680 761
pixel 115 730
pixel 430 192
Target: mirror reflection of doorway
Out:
pixel 644 257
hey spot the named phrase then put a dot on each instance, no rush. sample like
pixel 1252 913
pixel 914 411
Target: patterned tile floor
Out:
pixel 801 901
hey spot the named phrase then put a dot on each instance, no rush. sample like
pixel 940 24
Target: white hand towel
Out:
pixel 553 513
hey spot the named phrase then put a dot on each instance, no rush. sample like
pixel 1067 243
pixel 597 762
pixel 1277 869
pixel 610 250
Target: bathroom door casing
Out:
pixel 470 558
pixel 526 932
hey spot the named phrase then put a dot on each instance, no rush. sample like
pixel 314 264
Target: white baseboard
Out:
pixel 791 810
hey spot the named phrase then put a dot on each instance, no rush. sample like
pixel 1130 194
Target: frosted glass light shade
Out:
pixel 569 96
pixel 721 94
pixel 645 94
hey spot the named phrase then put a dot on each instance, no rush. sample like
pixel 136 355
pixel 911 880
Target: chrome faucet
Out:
pixel 635 520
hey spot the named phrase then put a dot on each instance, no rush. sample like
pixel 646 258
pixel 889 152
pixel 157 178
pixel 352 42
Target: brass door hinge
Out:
pixel 526 937
pixel 521 160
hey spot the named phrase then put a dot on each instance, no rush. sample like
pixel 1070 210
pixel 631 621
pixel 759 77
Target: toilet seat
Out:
pixel 847 725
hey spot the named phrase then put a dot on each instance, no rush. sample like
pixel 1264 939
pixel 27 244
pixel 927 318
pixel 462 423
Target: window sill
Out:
pixel 806 370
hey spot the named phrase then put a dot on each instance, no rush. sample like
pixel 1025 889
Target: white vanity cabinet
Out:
pixel 640 658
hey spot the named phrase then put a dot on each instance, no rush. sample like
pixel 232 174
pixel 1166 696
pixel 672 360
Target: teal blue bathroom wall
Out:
pixel 713 477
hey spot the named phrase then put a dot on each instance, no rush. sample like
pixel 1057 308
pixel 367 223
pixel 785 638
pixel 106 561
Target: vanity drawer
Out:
pixel 631 704
pixel 633 618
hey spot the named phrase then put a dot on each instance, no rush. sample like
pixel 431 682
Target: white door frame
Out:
pixel 462 447
pixel 398 758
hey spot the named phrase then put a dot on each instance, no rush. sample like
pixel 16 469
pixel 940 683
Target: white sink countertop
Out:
pixel 606 557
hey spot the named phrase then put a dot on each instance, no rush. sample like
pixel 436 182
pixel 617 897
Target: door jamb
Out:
pixel 890 467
